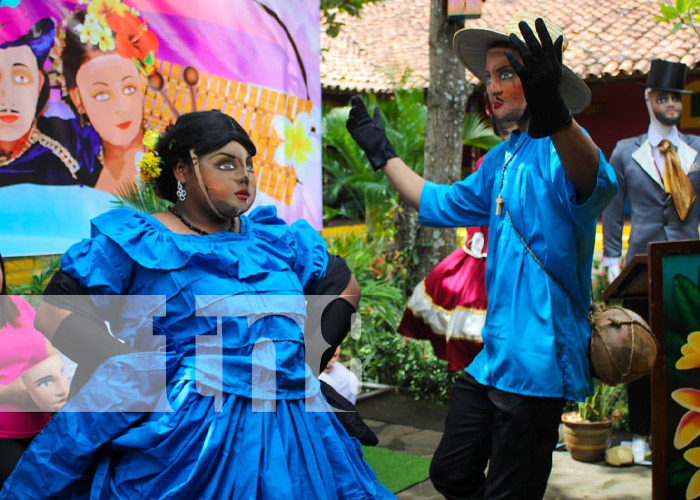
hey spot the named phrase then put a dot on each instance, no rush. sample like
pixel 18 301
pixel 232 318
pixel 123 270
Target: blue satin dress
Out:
pixel 219 403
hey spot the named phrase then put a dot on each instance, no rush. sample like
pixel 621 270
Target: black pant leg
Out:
pixel 11 450
pixel 525 433
pixel 459 462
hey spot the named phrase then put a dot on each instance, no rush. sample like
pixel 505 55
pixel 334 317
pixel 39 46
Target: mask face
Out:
pixel 229 178
pixel 665 106
pixel 503 87
pixel 20 85
pixel 110 91
pixel 47 385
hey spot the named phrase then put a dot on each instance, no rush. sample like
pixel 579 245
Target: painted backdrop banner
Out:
pixel 81 81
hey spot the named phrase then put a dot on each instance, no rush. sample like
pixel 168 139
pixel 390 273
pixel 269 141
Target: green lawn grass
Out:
pixel 395 470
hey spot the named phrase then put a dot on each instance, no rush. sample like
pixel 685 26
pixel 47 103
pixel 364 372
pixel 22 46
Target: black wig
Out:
pixel 201 131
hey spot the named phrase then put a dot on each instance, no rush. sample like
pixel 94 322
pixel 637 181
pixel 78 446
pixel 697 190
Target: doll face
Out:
pixel 109 91
pixel 47 385
pixel 503 86
pixel 666 106
pixel 229 178
pixel 20 84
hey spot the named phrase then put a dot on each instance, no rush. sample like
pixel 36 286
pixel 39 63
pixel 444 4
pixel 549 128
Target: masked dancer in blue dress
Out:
pixel 197 386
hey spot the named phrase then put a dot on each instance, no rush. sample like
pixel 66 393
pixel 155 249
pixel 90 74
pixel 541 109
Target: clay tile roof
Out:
pixel 607 39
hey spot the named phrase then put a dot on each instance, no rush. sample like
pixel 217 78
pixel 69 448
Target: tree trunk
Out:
pixel 446 102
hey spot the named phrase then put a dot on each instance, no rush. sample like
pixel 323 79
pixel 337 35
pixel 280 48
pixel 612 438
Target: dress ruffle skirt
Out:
pixel 208 447
pixel 448 307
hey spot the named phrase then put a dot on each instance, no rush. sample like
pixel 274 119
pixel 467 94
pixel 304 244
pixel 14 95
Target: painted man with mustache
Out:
pixel 36 149
pixel 658 174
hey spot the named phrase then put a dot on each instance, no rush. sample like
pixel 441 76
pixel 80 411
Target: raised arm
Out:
pixel 370 135
pixel 540 71
pixel 579 157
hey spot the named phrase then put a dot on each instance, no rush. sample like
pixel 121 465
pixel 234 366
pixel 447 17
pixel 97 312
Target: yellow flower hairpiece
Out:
pixel 150 139
pixel 149 167
pixel 149 164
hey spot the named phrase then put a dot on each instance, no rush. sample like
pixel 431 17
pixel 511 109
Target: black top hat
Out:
pixel 666 75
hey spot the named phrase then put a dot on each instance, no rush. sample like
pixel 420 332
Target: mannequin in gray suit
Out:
pixel 639 167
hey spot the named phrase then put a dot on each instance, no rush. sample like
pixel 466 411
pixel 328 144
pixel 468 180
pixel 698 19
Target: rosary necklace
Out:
pixel 194 228
pixel 499 199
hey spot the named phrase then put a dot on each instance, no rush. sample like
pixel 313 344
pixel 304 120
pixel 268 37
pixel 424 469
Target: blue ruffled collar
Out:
pixel 264 243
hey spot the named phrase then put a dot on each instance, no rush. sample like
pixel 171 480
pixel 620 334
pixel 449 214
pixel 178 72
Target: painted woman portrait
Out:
pixel 33 148
pixel 107 48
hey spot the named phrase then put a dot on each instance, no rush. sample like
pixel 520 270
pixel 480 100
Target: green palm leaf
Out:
pixel 146 201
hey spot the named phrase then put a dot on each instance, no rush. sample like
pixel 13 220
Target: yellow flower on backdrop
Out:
pixel 691 353
pixel 103 8
pixel 689 426
pixel 692 456
pixel 299 148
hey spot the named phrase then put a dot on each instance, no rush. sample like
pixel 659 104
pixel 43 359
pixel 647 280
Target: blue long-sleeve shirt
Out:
pixel 535 339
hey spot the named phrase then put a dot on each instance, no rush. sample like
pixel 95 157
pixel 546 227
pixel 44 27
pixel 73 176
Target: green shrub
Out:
pixel 387 357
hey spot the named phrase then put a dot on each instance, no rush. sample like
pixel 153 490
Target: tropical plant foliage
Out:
pixel 596 407
pixel 682 14
pixel 330 8
pixel 38 282
pixel 351 189
pixel 385 356
pixel 146 201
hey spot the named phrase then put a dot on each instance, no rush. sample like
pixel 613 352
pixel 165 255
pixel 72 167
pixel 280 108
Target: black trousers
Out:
pixel 515 435
pixel 11 450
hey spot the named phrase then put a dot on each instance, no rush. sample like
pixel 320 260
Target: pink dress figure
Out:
pixel 22 348
pixel 449 306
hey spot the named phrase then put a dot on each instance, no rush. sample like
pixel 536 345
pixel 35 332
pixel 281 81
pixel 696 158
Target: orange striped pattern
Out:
pixel 253 107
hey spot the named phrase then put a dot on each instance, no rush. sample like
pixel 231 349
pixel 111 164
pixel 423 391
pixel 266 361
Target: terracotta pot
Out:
pixel 585 441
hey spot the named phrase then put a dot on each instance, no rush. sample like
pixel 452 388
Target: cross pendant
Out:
pixel 499 204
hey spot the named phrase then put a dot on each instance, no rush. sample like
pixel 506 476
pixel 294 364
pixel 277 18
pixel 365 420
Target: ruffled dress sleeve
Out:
pixel 100 264
pixel 311 254
pixel 310 251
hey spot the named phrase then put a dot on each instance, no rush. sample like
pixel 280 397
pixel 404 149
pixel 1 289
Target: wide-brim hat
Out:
pixel 666 75
pixel 471 45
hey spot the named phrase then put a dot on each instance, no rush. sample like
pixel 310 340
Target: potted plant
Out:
pixel 587 430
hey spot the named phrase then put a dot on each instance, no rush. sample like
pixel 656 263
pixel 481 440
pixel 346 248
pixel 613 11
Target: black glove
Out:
pixel 369 134
pixel 540 73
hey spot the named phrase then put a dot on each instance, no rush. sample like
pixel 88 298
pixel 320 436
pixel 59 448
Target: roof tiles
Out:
pixel 607 39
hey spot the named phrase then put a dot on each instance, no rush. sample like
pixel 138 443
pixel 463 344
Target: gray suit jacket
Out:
pixel 654 216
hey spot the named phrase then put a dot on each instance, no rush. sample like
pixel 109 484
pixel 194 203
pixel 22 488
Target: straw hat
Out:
pixel 471 45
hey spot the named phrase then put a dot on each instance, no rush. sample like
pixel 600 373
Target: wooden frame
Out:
pixel 669 472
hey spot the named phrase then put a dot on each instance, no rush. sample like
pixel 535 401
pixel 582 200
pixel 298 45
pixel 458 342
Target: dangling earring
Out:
pixel 181 193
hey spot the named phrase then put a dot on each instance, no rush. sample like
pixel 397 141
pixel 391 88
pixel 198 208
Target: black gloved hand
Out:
pixel 369 134
pixel 540 73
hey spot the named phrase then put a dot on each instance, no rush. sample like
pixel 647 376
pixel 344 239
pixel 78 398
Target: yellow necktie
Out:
pixel 675 181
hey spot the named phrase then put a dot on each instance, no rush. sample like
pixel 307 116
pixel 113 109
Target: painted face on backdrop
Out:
pixel 20 85
pixel 503 86
pixel 109 91
pixel 229 178
pixel 666 106
pixel 47 385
